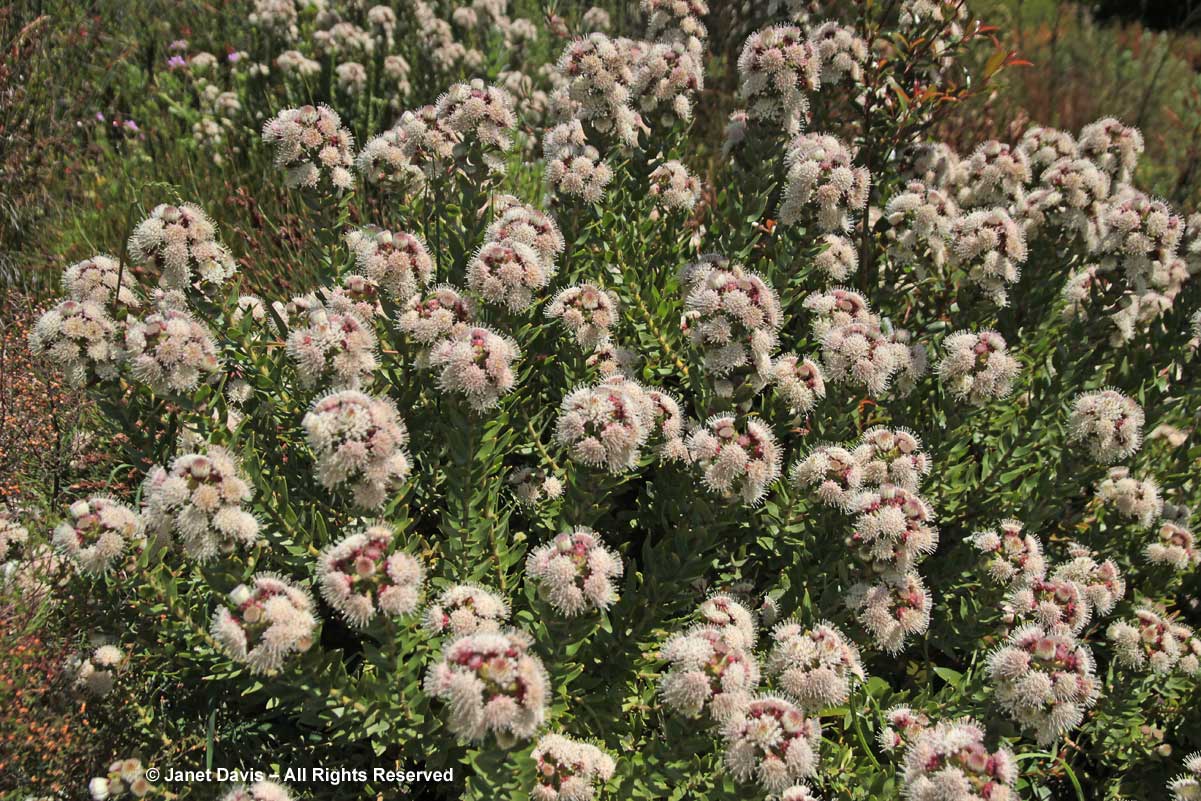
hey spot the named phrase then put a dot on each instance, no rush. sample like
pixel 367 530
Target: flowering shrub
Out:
pixel 576 471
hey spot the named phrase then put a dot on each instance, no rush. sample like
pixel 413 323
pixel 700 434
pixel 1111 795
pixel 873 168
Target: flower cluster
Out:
pixel 531 486
pixel 1187 786
pixel 834 471
pixel 491 684
pixel 1174 545
pixel 902 726
pixel 1101 582
pixel 399 262
pixel 170 351
pixel 80 340
pixel 200 500
pixel 892 456
pixel 896 606
pixel 920 220
pixel 1153 641
pixel 798 381
pixel 95 280
pixel 710 668
pixel 1011 557
pixel 1044 679
pixel 96 532
pixel 673 187
pixel 738 456
pixel 773 742
pixel 97 674
pixel 991 248
pixel 1134 498
pixel 777 69
pixel 816 666
pixel 587 311
pixel 860 354
pixel 125 775
pixel 821 173
pixel 894 529
pixel 1112 146
pixel 265 623
pixel 181 243
pixel 337 348
pixel 575 572
pixel 483 113
pixel 363 573
pixel 466 609
pixel 605 426
pixel 1050 601
pixel 977 367
pixel 312 147
pixel 568 770
pixel 949 762
pixel 1109 423
pixel 574 167
pixel 732 316
pixel 477 363
pixel 994 175
pixel 359 442
pixel 439 313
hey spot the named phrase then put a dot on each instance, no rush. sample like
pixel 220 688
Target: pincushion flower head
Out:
pixel 977 367
pixel 949 762
pixel 507 273
pixel 265 623
pixel 1102 582
pixel 732 316
pixel 335 348
pixel 676 21
pixel 466 609
pixel 479 113
pixel 1114 147
pixel 575 572
pixel 902 727
pixel 1011 556
pixel 1109 423
pixel 476 362
pixel 738 456
pixel 95 280
pixel 364 573
pixel 777 70
pixel 1187 786
pixel 990 247
pixel 833 471
pixel 859 354
pixel 920 220
pixel 399 262
pixel 181 243
pixel 896 606
pixel 259 791
pixel 429 144
pixel 1152 641
pixel 568 770
pixel 995 175
pixel 312 147
pixel 1078 190
pixel 892 456
pixel 605 426
pixel 710 669
pixel 668 425
pixel 170 351
pixel 798 382
pixel 491 684
pixel 200 501
pixel 772 742
pixel 816 666
pixel 97 674
pixel 894 528
pixel 1044 678
pixel 385 162
pixel 587 311
pixel 822 175
pixel 79 339
pixel 1044 146
pixel 837 258
pixel 438 313
pixel 96 532
pixel 358 295
pixel 673 188
pixel 1174 545
pixel 1135 499
pixel 574 167
pixel 1140 235
pixel 531 486
pixel 732 617
pixel 359 443
pixel 526 225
